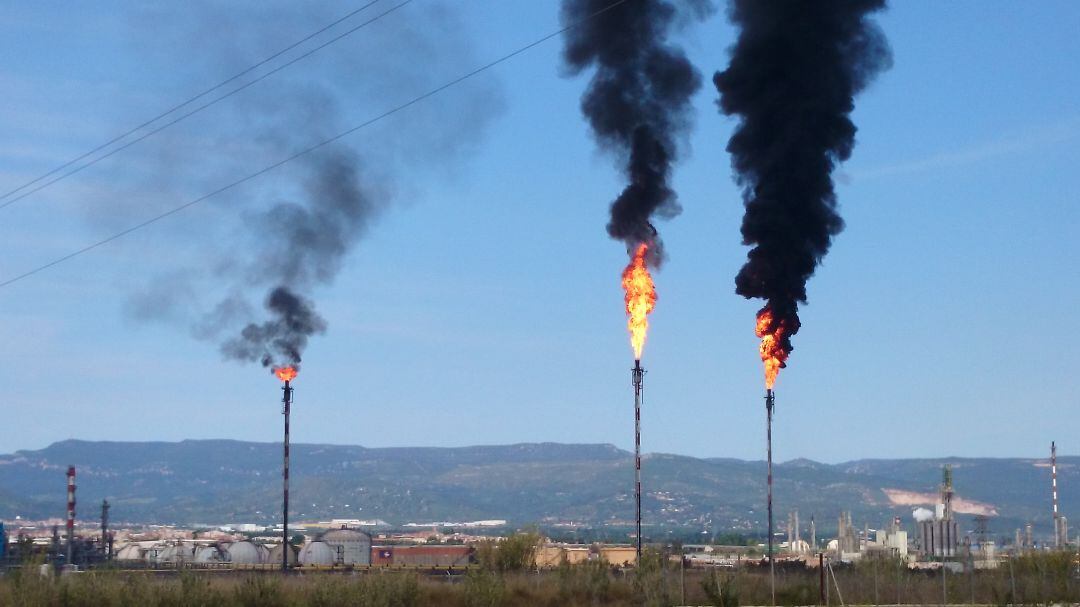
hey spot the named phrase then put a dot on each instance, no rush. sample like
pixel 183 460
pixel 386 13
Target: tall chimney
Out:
pixel 106 541
pixel 285 410
pixel 638 377
pixel 1053 490
pixel 71 515
pixel 770 404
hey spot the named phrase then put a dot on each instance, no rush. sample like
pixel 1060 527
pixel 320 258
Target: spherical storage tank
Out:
pixel 208 554
pixel 247 553
pixel 351 547
pixel 173 553
pixel 317 553
pixel 275 555
pixel 130 552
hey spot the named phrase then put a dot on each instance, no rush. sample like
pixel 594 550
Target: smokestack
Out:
pixel 106 539
pixel 638 104
pixel 1053 489
pixel 71 515
pixel 287 404
pixel 770 403
pixel 794 71
pixel 946 492
pixel 55 547
pixel 638 376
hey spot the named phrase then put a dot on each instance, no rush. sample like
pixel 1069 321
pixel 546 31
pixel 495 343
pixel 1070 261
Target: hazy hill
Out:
pixel 219 481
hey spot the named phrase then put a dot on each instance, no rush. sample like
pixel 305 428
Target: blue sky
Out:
pixel 484 304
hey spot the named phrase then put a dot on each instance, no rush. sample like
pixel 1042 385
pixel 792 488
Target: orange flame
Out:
pixel 640 298
pixel 285 373
pixel 772 353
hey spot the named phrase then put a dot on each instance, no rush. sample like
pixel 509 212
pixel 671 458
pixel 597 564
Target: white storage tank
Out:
pixel 317 553
pixel 130 552
pixel 247 553
pixel 208 554
pixel 172 554
pixel 275 555
pixel 152 552
pixel 351 547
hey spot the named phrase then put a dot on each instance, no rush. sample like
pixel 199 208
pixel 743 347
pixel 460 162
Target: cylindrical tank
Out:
pixel 351 547
pixel 317 553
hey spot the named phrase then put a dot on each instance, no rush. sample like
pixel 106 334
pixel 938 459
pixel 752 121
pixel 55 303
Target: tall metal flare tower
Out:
pixel 638 375
pixel 287 404
pixel 770 404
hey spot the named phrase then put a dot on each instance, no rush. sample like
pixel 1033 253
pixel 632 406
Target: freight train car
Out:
pixel 422 556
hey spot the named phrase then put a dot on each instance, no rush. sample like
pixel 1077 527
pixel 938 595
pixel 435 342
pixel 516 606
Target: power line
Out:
pixel 197 109
pixel 312 148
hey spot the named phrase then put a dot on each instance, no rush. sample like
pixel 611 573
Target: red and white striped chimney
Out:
pixel 70 514
pixel 1053 485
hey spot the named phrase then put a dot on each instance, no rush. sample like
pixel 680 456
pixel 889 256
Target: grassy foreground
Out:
pixel 1035 579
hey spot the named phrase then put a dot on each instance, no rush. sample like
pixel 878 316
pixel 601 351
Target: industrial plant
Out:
pixel 931 538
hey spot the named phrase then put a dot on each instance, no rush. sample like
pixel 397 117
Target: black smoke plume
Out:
pixel 637 102
pixel 794 72
pixel 279 341
pixel 303 244
pixel 251 265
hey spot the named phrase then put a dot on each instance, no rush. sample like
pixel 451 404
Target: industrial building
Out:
pixel 795 543
pixel 847 539
pixel 891 541
pixel 939 534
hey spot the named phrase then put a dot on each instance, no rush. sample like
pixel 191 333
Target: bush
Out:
pixel 650 580
pixel 722 591
pixel 259 591
pixel 483 588
pixel 586 581
pixel 513 554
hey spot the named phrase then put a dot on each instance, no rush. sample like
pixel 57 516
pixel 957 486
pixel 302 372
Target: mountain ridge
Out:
pixel 226 480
